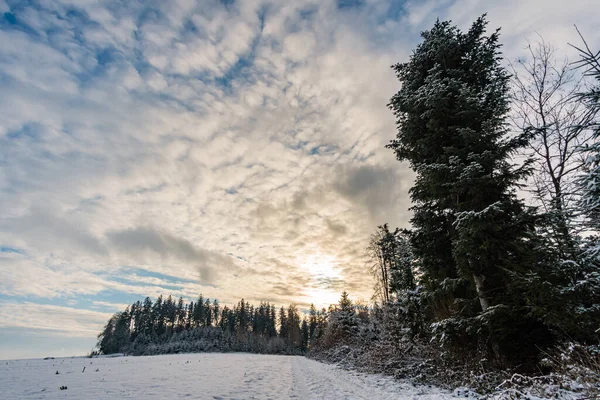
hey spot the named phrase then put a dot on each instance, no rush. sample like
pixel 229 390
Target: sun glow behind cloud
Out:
pixel 321 266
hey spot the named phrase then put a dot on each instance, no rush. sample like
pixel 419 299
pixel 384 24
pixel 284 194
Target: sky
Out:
pixel 231 148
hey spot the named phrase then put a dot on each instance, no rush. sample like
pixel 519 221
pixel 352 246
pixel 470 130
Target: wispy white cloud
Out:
pixel 64 320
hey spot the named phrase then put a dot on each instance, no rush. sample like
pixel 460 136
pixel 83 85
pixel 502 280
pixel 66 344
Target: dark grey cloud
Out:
pixel 337 228
pixel 50 230
pixel 144 240
pixel 380 189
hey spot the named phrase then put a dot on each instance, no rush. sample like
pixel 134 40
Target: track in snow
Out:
pixel 198 376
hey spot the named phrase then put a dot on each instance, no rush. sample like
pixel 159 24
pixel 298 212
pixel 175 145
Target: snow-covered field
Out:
pixel 198 376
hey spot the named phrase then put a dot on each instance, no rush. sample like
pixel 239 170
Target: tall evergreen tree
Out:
pixel 199 311
pixel 216 312
pixel 146 322
pixel 208 313
pixel 470 230
pixel 589 181
pixel 304 335
pixel 283 324
pixel 180 315
pixel 158 317
pixel 312 321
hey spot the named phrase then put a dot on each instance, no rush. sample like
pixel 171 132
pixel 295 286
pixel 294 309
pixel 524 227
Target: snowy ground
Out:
pixel 198 376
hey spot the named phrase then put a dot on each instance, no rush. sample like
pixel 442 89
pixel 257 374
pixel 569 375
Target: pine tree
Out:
pixel 589 181
pixel 312 318
pixel 293 326
pixel 170 313
pixel 199 312
pixel 189 321
pixel 304 335
pixel 283 324
pixel 121 332
pixel 146 322
pixel 136 316
pixel 346 314
pixel 106 338
pixel 208 313
pixel 216 312
pixel 273 322
pixel 180 315
pixel 158 317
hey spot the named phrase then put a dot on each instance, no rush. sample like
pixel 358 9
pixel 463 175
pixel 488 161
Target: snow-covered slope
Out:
pixel 197 376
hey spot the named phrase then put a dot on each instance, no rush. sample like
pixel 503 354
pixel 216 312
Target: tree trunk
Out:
pixel 484 301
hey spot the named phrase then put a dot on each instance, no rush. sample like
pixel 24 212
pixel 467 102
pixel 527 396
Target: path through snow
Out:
pixel 198 376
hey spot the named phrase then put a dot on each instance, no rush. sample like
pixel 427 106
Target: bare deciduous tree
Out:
pixel 378 267
pixel 545 104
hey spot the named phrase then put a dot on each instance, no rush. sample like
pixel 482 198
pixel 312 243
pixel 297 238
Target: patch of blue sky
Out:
pixel 91 200
pixel 242 70
pixel 227 3
pixel 150 15
pixel 8 249
pixel 238 257
pixel 239 72
pixel 77 19
pixel 150 189
pixel 28 131
pixel 396 10
pixel 172 280
pixel 103 301
pixel 11 20
pixel 308 12
pixel 299 145
pixel 62 301
pixel 16 342
pixel 348 4
pixel 323 149
pixel 167 286
pixel 108 55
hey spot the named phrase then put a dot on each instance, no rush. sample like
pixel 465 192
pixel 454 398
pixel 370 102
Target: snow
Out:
pixel 199 376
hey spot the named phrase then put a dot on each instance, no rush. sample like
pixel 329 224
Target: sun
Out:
pixel 321 266
pixel 323 269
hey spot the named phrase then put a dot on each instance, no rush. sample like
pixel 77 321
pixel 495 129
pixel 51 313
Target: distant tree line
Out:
pixel 173 326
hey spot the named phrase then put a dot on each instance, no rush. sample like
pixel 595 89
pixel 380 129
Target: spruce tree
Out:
pixel 158 317
pixel 180 315
pixel 305 336
pixel 216 312
pixel 589 181
pixel 470 230
pixel 146 322
pixel 312 318
pixel 208 313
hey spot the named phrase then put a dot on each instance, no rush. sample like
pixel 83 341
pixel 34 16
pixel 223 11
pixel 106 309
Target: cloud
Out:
pixel 42 230
pixel 336 227
pixel 378 189
pixel 148 242
pixel 110 306
pixel 65 320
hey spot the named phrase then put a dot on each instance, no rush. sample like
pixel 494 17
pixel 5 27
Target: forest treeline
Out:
pixel 173 326
pixel 484 277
